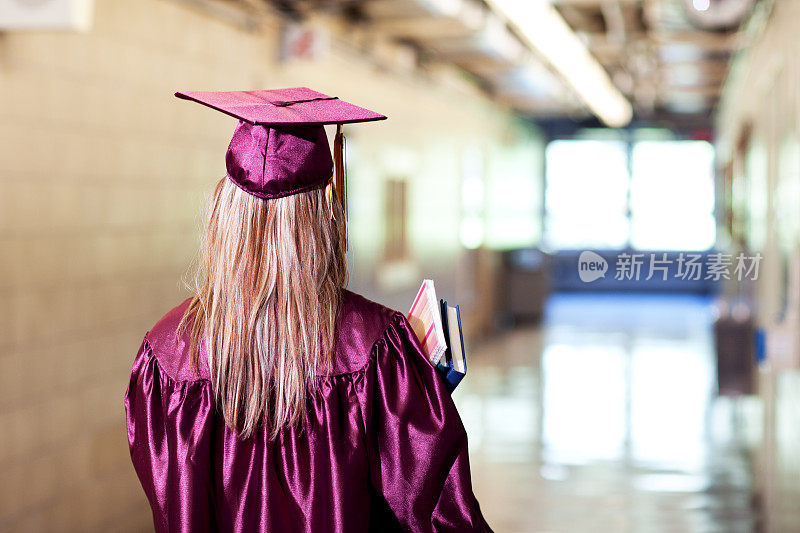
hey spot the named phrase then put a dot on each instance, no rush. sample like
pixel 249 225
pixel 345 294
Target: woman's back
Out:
pixel 382 448
pixel 274 399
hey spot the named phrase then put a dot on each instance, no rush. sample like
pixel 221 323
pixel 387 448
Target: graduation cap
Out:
pixel 279 147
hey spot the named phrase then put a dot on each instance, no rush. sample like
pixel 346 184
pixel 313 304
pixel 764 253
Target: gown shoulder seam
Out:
pixel 153 355
pixel 393 321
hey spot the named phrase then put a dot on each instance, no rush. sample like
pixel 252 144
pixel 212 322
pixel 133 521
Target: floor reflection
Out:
pixel 605 419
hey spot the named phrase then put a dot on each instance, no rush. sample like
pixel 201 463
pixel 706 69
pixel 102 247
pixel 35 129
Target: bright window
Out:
pixel 659 195
pixel 586 195
pixel 672 195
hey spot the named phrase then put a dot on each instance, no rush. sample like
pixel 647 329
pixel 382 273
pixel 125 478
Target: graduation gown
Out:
pixel 384 448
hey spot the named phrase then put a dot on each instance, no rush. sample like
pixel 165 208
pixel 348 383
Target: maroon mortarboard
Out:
pixel 279 146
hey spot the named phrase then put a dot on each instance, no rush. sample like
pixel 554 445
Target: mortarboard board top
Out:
pixel 295 106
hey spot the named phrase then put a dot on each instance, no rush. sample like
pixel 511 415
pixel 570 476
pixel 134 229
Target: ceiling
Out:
pixel 658 52
pixel 668 58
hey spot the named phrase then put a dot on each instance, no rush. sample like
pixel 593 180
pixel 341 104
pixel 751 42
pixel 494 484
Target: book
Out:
pixel 453 366
pixel 426 321
pixel 438 328
pixel 444 363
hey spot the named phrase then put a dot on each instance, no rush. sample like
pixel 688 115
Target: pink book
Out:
pixel 426 320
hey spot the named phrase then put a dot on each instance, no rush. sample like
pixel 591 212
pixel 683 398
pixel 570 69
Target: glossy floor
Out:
pixel 606 419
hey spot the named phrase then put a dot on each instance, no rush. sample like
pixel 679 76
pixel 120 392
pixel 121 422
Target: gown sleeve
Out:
pixel 169 434
pixel 418 446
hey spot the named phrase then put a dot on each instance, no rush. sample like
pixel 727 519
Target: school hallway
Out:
pixel 606 418
pixel 609 191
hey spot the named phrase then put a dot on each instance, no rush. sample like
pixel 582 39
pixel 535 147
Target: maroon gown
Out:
pixel 384 448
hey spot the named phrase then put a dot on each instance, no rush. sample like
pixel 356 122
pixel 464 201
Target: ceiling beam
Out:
pixel 591 3
pixel 706 41
pixel 665 90
pixel 424 27
pixel 615 22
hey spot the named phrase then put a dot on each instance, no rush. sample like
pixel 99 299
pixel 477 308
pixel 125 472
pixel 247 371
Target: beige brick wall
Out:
pixel 102 175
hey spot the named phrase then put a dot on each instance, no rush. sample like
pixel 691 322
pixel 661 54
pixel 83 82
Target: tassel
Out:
pixel 338 163
pixel 329 194
pixel 339 173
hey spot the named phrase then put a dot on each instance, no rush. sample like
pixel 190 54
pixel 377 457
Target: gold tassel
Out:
pixel 329 194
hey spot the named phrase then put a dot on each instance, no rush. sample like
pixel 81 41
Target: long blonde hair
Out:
pixel 268 283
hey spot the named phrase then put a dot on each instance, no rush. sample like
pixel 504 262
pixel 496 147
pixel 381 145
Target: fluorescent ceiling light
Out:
pixel 545 31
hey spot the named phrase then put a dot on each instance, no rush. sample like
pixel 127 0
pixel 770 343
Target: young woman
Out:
pixel 274 399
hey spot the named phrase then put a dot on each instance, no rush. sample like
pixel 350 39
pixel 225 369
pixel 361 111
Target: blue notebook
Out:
pixel 453 366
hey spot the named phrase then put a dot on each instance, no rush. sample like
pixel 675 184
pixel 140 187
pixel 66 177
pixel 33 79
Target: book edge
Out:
pixel 461 340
